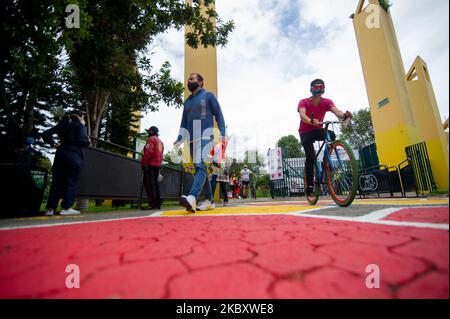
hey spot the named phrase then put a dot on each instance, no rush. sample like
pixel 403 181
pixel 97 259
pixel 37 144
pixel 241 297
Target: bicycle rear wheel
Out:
pixel 312 200
pixel 342 174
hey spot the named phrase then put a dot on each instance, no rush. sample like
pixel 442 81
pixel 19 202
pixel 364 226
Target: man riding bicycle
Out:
pixel 312 113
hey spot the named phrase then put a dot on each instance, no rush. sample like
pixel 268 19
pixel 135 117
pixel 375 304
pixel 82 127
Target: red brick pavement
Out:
pixel 224 257
pixel 438 215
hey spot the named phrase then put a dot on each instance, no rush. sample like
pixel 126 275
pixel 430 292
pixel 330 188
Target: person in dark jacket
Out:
pixel 68 163
pixel 151 165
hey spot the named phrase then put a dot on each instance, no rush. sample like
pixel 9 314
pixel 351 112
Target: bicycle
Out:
pixel 340 170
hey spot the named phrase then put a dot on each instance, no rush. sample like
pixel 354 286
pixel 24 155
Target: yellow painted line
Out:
pixel 402 202
pixel 260 210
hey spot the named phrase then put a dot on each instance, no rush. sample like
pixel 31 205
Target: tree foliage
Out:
pixel 385 4
pixel 114 58
pixel 360 134
pixel 254 161
pixel 103 67
pixel 290 146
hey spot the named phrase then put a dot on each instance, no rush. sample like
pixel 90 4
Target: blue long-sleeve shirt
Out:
pixel 72 134
pixel 202 107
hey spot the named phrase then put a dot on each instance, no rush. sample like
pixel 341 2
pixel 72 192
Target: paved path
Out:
pixel 255 250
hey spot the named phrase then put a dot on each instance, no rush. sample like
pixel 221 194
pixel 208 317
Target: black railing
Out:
pixel 375 180
pixel 407 177
pixel 421 167
pixel 22 189
pixel 292 185
pixel 108 173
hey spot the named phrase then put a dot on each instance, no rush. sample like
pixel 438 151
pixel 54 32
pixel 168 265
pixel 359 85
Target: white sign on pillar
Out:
pixel 275 164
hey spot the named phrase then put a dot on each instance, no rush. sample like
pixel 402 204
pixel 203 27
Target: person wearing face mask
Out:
pixel 200 110
pixel 151 166
pixel 312 113
pixel 68 163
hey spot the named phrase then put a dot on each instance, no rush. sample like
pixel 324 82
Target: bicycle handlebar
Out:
pixel 333 122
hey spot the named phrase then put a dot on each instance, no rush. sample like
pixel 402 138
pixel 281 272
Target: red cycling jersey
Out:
pixel 319 111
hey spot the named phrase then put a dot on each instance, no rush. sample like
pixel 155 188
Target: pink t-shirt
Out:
pixel 319 111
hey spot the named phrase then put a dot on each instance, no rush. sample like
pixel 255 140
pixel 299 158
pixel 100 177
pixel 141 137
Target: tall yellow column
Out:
pixel 387 90
pixel 428 120
pixel 203 61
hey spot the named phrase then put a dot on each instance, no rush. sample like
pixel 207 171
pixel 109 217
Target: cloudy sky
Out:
pixel 279 46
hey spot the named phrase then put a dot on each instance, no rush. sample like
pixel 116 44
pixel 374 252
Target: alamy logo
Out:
pixel 73 19
pixel 373 279
pixel 73 280
pixel 373 19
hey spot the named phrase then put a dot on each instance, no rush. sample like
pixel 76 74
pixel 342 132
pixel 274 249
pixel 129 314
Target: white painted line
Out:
pixel 378 214
pixel 412 224
pixel 157 214
pixel 374 221
pixel 372 216
pixel 73 223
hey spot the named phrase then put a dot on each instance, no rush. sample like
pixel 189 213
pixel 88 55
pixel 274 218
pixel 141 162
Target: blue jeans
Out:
pixel 201 180
pixel 223 188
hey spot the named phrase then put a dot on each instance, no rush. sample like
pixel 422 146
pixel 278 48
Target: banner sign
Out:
pixel 275 164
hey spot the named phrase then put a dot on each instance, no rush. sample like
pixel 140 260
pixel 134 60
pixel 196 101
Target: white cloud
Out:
pixel 278 47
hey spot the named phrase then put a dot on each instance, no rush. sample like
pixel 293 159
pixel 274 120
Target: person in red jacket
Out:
pixel 151 165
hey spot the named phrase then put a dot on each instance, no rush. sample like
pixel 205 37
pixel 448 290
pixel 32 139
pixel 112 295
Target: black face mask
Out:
pixel 192 86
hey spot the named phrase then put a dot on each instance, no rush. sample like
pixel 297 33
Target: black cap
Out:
pixel 153 130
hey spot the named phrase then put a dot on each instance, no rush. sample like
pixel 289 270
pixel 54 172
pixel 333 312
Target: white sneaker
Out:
pixel 69 211
pixel 206 205
pixel 189 202
pixel 50 212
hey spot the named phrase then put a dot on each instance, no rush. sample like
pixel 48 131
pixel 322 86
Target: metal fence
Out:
pixel 22 188
pixel 421 167
pixel 376 180
pixel 292 184
pixel 368 156
pixel 380 179
pixel 121 177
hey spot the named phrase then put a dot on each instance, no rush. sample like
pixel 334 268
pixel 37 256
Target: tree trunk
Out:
pixel 28 121
pixel 96 105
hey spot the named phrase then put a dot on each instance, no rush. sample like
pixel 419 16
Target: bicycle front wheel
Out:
pixel 342 174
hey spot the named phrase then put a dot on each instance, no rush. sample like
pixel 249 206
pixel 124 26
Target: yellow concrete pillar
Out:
pixel 203 61
pixel 384 75
pixel 428 120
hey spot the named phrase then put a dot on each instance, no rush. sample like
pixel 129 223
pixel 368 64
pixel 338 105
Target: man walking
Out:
pixel 151 165
pixel 245 180
pixel 197 129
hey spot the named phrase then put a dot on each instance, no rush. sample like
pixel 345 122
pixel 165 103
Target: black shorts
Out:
pixel 245 183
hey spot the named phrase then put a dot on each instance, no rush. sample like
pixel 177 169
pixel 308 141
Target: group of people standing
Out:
pixel 201 110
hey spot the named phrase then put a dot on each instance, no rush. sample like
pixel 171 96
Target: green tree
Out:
pixel 360 134
pixel 30 67
pixel 103 65
pixel 254 161
pixel 263 185
pixel 114 57
pixel 385 4
pixel 290 146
